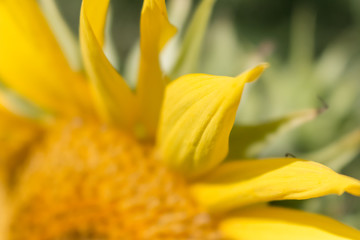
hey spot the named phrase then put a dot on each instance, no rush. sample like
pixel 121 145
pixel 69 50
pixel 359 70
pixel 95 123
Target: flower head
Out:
pixel 101 161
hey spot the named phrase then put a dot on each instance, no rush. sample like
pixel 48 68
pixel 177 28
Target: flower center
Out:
pixel 87 181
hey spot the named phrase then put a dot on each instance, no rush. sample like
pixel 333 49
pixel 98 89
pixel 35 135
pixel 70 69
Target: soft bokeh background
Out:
pixel 314 51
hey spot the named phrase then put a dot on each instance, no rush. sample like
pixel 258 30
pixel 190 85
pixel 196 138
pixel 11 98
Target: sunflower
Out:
pixel 85 157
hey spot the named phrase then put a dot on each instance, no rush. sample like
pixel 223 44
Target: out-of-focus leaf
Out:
pixel 179 11
pixel 225 48
pixel 302 39
pixel 356 10
pixel 353 219
pixel 109 44
pixel 131 65
pixel 192 43
pixel 335 59
pixel 340 153
pixel 248 141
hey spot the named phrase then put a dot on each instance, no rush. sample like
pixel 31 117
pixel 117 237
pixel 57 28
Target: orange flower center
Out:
pixel 88 181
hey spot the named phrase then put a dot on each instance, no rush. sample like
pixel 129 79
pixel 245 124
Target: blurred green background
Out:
pixel 314 51
pixel 256 20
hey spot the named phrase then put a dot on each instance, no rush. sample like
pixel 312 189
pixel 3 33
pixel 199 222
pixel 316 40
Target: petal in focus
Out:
pixel 197 116
pixel 31 61
pixel 268 223
pixel 114 98
pixel 155 31
pixel 241 183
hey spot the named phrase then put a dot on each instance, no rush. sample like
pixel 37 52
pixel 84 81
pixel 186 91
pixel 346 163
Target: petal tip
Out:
pixel 354 187
pixel 263 65
pixel 254 73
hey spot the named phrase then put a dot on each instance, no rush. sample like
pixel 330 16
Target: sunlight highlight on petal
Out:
pixel 240 183
pixel 197 116
pixel 268 223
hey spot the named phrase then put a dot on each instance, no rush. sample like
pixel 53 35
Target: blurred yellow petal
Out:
pixel 16 136
pixel 236 184
pixel 21 106
pixel 31 61
pixel 96 12
pixel 269 223
pixel 155 31
pixel 197 116
pixel 114 98
pixel 66 38
pixel 4 209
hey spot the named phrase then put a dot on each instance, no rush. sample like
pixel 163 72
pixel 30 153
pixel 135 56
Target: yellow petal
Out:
pixel 64 35
pixel 21 106
pixel 31 61
pixel 197 116
pixel 16 135
pixel 96 12
pixel 155 31
pixel 268 223
pixel 236 184
pixel 114 98
pixel 4 209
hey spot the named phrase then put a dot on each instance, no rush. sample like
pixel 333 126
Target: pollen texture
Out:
pixel 89 181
